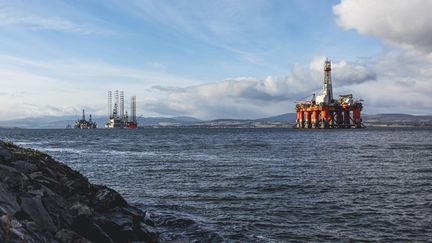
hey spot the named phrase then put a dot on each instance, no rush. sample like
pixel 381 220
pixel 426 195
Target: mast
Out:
pixel 327 87
pixel 110 108
pixel 121 107
pixel 116 103
pixel 133 109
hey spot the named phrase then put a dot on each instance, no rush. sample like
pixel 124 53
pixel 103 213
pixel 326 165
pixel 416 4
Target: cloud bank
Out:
pixel 400 22
pixel 249 97
pixel 399 79
pixel 404 72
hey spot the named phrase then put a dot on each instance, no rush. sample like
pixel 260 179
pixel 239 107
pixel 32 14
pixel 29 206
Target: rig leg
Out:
pixel 347 119
pixel 339 119
pixel 331 119
pixel 300 119
pixel 357 118
pixel 324 118
pixel 315 120
pixel 308 119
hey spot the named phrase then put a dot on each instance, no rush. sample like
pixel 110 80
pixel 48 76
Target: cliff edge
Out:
pixel 42 200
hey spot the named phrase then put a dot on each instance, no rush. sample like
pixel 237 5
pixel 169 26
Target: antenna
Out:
pixel 133 108
pixel 110 108
pixel 116 103
pixel 122 104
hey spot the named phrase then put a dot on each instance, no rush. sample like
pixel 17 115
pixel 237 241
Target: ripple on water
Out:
pixel 260 185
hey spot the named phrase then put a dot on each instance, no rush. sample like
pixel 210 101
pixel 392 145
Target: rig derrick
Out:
pixel 117 116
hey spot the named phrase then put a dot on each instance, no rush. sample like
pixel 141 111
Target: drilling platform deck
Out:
pixel 323 111
pixel 84 124
pixel 117 116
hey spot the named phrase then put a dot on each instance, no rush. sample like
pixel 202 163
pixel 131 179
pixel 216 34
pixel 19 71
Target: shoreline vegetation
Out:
pixel 42 200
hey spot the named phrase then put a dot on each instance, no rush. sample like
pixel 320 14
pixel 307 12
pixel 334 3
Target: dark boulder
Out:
pixel 24 166
pixel 5 154
pixel 69 236
pixel 42 200
pixel 106 198
pixel 33 207
pixel 86 227
pixel 8 202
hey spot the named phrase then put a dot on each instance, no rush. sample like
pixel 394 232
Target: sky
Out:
pixel 212 59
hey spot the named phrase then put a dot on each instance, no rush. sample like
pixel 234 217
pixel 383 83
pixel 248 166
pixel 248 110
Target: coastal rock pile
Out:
pixel 42 200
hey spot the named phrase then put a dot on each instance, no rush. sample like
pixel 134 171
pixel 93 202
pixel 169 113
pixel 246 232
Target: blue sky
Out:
pixel 208 59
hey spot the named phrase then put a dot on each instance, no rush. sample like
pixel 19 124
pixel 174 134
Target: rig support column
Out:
pixel 324 117
pixel 308 120
pixel 347 118
pixel 357 117
pixel 339 119
pixel 331 119
pixel 300 119
pixel 315 119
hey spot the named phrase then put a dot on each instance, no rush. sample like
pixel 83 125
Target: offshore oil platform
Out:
pixel 84 124
pixel 323 111
pixel 118 117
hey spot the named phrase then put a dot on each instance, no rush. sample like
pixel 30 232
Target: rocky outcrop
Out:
pixel 42 200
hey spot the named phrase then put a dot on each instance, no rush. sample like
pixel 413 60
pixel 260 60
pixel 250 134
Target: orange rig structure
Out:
pixel 325 112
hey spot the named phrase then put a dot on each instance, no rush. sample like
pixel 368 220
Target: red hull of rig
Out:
pixel 131 125
pixel 325 112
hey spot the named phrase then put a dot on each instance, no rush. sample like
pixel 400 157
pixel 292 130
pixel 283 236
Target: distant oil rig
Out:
pixel 84 124
pixel 323 111
pixel 118 117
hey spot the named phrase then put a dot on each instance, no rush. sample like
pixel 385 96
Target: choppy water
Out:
pixel 260 185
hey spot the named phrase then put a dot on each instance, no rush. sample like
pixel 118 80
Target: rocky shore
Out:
pixel 42 200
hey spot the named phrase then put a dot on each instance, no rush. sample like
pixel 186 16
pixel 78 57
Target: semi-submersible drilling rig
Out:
pixel 323 111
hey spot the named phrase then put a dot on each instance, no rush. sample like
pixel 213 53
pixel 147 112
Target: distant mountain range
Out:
pixel 397 119
pixel 288 118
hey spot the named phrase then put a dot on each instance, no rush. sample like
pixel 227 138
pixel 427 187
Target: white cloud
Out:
pixel 404 75
pixel 63 87
pixel 44 88
pixel 400 22
pixel 250 97
pixel 403 84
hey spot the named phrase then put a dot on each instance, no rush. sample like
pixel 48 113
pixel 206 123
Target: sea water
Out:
pixel 259 185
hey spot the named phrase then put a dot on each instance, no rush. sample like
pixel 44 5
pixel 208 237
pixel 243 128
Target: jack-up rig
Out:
pixel 325 112
pixel 118 117
pixel 84 124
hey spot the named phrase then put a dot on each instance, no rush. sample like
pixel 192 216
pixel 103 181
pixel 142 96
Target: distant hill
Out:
pixel 61 122
pixel 397 119
pixel 181 120
pixel 39 122
pixel 280 118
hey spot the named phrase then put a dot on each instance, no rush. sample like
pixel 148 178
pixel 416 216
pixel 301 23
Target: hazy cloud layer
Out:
pixel 396 80
pixel 404 76
pixel 38 88
pixel 401 22
pixel 11 16
pixel 252 97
